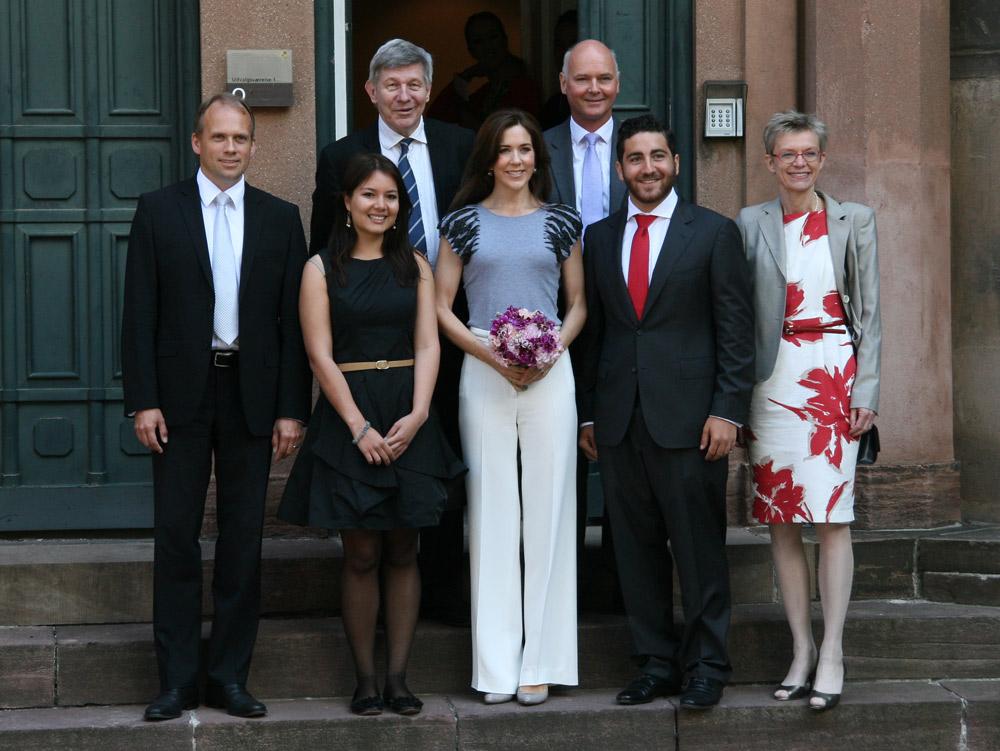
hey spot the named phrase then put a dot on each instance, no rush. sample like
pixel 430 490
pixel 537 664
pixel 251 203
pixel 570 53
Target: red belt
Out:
pixel 811 326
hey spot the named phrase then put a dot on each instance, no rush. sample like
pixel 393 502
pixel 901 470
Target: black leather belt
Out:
pixel 225 358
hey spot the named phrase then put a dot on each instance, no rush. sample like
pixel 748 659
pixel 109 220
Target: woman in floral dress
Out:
pixel 818 333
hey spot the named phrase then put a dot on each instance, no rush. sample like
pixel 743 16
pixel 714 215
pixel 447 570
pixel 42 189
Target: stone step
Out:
pixel 974 550
pixel 970 589
pixel 110 581
pixel 872 716
pixel 296 657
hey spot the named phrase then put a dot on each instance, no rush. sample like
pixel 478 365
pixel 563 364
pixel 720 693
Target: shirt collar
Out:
pixel 665 210
pixel 389 139
pixel 207 190
pixel 577 131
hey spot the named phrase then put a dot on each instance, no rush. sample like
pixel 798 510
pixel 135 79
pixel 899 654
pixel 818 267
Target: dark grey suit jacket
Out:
pixel 560 147
pixel 854 252
pixel 449 146
pixel 691 355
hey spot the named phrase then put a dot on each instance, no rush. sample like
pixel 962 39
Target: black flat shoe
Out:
pixel 171 703
pixel 367 706
pixel 406 705
pixel 645 688
pixel 235 699
pixel 795 692
pixel 701 693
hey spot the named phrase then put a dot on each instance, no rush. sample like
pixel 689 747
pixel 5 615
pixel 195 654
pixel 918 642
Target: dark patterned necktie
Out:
pixel 418 238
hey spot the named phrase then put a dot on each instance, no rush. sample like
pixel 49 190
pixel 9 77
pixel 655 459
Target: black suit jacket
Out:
pixel 691 356
pixel 449 147
pixel 169 304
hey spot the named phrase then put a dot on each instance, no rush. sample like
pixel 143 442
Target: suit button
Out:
pixel 638 332
pixel 635 370
pixel 847 298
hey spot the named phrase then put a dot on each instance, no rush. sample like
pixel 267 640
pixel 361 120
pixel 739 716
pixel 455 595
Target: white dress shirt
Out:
pixel 657 230
pixel 420 162
pixel 577 134
pixel 207 191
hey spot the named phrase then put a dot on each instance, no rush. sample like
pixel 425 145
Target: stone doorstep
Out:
pixel 975 552
pixel 116 664
pixel 872 716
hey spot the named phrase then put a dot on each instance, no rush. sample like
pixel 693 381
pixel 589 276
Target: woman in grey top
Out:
pixel 510 248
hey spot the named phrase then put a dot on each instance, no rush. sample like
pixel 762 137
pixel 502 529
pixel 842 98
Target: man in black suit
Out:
pixel 668 371
pixel 434 154
pixel 214 368
pixel 582 150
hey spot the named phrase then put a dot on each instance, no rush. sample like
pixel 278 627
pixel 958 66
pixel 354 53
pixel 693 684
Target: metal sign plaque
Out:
pixel 263 78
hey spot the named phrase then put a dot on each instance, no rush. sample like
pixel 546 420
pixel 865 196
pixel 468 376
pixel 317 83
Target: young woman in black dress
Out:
pixel 374 460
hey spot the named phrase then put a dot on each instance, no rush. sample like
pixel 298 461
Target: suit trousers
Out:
pixel 180 481
pixel 531 638
pixel 655 495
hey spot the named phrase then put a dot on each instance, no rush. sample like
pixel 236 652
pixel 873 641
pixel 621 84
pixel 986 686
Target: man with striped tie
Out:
pixel 216 378
pixel 431 156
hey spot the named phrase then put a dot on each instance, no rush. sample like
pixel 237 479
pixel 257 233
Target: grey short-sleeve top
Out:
pixel 511 260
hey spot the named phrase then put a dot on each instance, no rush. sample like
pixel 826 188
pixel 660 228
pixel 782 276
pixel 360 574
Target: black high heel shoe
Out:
pixel 796 692
pixel 829 700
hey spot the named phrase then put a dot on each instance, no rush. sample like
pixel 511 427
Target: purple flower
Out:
pixel 524 338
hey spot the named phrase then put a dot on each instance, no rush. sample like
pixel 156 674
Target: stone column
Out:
pixel 877 73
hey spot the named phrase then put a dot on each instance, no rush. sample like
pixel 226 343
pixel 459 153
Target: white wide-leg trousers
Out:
pixel 532 640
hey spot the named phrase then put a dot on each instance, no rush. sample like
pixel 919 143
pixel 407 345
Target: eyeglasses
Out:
pixel 788 157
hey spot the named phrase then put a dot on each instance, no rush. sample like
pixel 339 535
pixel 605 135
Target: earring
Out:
pixel 393 226
pixel 348 223
pixel 489 173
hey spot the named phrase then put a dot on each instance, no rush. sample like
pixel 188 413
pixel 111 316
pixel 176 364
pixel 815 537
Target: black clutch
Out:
pixel 868 446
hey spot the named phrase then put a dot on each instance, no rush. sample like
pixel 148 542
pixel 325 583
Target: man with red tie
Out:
pixel 666 381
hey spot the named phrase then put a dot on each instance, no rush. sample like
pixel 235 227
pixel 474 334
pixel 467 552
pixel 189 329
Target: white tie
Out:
pixel 226 321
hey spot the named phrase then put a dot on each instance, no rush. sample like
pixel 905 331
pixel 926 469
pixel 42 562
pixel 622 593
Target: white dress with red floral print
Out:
pixel 801 453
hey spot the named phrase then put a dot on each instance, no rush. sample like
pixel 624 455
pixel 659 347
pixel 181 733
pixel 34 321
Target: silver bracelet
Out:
pixel 361 434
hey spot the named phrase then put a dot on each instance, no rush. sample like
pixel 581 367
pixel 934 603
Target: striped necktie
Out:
pixel 226 320
pixel 418 238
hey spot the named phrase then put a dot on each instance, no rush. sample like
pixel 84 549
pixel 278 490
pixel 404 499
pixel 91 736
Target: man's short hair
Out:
pixel 565 65
pixel 398 53
pixel 643 124
pixel 793 121
pixel 229 100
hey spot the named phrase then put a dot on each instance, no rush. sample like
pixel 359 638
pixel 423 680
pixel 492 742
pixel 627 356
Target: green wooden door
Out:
pixel 96 100
pixel 652 39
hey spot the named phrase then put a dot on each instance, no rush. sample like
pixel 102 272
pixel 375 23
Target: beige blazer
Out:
pixel 853 247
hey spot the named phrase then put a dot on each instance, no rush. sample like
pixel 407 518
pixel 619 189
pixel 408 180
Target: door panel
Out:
pixel 96 100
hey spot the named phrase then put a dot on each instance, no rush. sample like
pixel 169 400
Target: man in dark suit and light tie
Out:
pixel 432 156
pixel 667 377
pixel 215 373
pixel 582 150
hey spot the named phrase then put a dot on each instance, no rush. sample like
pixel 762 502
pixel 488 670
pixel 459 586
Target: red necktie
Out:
pixel 638 264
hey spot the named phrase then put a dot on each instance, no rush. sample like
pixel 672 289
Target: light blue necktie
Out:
pixel 418 238
pixel 592 184
pixel 226 321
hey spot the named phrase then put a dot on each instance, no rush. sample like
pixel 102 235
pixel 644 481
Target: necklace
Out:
pixel 816 202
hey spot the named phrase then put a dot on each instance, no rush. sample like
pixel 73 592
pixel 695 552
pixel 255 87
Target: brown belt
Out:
pixel 350 367
pixel 811 327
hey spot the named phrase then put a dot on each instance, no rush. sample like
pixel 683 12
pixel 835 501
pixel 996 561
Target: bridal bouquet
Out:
pixel 524 338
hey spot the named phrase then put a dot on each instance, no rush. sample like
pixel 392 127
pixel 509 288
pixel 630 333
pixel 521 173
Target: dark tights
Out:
pixel 395 551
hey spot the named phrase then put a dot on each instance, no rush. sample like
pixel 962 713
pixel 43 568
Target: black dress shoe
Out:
pixel 235 699
pixel 171 703
pixel 701 693
pixel 645 688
